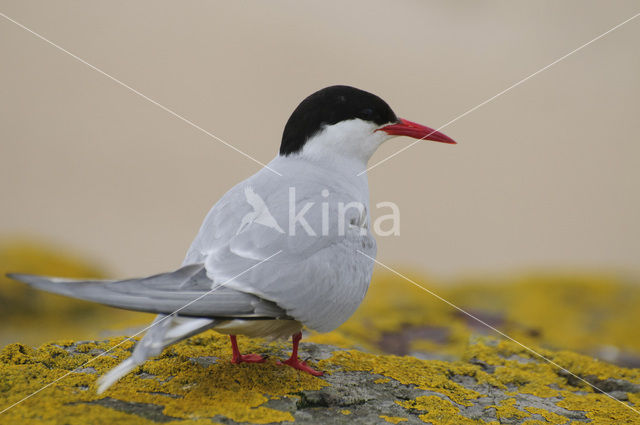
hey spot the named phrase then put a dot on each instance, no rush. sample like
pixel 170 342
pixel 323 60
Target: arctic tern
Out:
pixel 281 249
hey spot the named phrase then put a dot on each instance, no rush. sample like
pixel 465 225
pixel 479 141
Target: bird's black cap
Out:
pixel 330 106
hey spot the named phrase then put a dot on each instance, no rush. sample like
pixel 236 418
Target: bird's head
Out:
pixel 342 121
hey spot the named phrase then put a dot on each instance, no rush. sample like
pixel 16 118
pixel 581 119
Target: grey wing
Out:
pixel 318 280
pixel 186 291
pixel 321 290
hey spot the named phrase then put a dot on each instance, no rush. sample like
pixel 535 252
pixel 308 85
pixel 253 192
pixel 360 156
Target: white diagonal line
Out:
pixel 136 334
pixel 495 330
pixel 501 93
pixel 147 98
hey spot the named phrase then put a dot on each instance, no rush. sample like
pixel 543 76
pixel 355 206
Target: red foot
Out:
pixel 243 358
pixel 297 364
pixel 248 358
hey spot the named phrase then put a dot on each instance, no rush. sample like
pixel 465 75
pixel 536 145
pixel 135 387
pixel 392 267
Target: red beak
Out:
pixel 417 131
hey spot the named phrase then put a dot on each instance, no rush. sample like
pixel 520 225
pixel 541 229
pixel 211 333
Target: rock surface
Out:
pixel 404 357
pixel 194 383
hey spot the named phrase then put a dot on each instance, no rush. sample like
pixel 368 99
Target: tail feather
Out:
pixel 163 332
pixel 114 375
pixel 132 293
pixel 187 290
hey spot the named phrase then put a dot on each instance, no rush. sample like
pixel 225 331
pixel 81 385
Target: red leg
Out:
pixel 246 358
pixel 297 364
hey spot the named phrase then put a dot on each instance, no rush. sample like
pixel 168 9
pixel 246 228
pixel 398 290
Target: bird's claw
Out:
pixel 301 365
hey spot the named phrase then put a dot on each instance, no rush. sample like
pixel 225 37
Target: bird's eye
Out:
pixel 366 113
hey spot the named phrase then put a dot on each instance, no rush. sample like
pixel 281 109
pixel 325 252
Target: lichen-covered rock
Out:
pixel 440 378
pixel 594 314
pixel 194 383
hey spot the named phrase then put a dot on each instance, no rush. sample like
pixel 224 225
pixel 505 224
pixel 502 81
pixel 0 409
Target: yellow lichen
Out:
pixel 570 312
pixel 393 419
pixel 192 392
pixel 550 417
pixel 331 338
pixel 507 410
pixel 530 374
pixel 345 412
pixel 600 409
pixel 533 309
pixel 533 375
pixel 429 375
pixel 439 411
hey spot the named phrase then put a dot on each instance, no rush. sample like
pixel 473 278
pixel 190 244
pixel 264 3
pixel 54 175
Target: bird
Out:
pixel 274 254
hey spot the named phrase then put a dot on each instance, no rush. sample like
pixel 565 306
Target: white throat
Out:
pixel 353 140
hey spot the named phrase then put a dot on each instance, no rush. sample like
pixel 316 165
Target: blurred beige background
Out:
pixel 545 176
